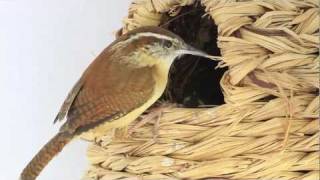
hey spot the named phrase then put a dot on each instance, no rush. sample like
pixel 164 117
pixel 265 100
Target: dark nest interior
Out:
pixel 194 81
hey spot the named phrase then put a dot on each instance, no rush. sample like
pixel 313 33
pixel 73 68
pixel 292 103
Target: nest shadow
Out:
pixel 194 81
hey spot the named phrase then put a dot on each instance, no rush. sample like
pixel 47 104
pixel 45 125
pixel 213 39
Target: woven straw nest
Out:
pixel 268 127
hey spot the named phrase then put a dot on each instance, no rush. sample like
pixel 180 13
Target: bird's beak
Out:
pixel 196 52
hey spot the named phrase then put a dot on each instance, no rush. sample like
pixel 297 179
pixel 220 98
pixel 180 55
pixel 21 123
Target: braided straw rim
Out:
pixel 271 49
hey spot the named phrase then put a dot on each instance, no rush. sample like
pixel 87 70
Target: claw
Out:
pixel 154 114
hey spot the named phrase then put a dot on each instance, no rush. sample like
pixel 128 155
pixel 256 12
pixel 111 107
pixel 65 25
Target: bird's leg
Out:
pixel 157 124
pixel 153 114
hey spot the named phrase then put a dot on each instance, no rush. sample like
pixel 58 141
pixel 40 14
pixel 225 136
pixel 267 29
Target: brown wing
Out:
pixel 68 102
pixel 109 90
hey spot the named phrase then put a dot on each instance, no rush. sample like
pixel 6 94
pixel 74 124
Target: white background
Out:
pixel 45 45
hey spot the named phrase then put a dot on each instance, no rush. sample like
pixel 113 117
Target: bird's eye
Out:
pixel 167 44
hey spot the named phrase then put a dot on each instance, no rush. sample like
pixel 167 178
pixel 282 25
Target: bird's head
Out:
pixel 158 43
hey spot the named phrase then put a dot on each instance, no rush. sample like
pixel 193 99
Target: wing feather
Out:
pixel 109 90
pixel 69 100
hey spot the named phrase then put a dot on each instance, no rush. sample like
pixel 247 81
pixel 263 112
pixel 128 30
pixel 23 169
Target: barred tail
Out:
pixel 52 148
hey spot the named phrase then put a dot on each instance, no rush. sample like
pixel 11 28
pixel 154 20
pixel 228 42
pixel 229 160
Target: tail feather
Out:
pixel 40 160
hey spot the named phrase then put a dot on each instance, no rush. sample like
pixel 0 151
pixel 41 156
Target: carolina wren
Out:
pixel 118 86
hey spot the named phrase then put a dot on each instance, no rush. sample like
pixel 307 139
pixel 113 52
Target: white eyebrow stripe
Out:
pixel 144 34
pixel 149 34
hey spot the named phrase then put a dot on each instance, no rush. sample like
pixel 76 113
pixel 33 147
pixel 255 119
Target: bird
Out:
pixel 122 82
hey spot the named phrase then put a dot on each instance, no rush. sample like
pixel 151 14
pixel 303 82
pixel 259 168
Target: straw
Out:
pixel 269 126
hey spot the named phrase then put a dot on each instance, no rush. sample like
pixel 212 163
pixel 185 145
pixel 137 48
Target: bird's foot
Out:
pixel 153 115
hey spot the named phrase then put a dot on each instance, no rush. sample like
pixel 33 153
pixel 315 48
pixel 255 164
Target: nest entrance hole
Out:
pixel 194 81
